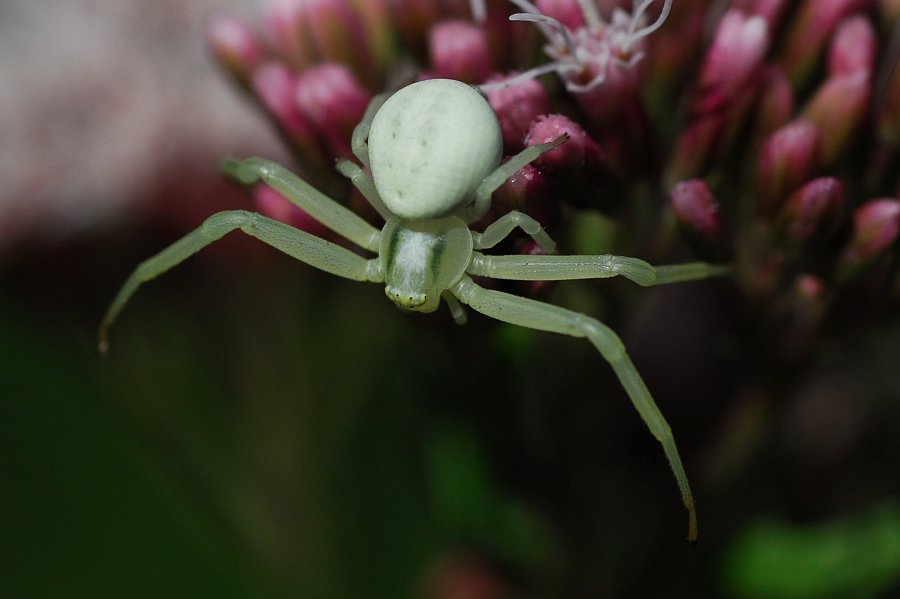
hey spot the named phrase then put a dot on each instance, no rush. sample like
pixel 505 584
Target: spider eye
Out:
pixel 408 300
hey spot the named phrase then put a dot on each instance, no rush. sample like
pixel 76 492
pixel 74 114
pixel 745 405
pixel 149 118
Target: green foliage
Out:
pixel 856 556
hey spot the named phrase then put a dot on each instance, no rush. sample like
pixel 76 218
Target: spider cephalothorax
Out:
pixel 434 153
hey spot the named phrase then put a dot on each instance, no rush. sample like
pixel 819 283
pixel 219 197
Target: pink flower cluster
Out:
pixel 775 126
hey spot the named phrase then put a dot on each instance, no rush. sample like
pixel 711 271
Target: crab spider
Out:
pixel 434 151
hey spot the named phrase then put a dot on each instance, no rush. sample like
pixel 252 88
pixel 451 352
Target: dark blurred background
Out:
pixel 261 429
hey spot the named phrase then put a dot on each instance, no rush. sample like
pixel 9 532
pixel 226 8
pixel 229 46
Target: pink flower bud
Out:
pixel 789 157
pixel 274 205
pixel 517 107
pixel 459 50
pixel 527 191
pixel 776 103
pixel 379 31
pixel 579 153
pixel 810 31
pixel 674 48
pixel 340 36
pixel 694 150
pixel 287 26
pixel 235 45
pixel 697 210
pixel 736 54
pixel 812 210
pixel 839 108
pixel 567 12
pixel 274 85
pixel 854 47
pixel 770 10
pixel 332 98
pixel 413 20
pixel 809 289
pixel 876 225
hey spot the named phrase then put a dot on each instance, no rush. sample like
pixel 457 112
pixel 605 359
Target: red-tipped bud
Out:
pixel 235 45
pixel 838 108
pixel 379 31
pixel 812 210
pixel 527 191
pixel 854 47
pixel 578 154
pixel 809 33
pixel 700 219
pixel 876 225
pixel 340 36
pixel 695 147
pixel 736 54
pixel 274 85
pixel 459 50
pixel 517 107
pixel 809 289
pixel 274 205
pixel 770 10
pixel 567 12
pixel 413 19
pixel 696 209
pixel 776 104
pixel 287 26
pixel 332 98
pixel 674 48
pixel 789 157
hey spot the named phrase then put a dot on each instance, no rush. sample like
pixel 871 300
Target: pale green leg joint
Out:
pixel 489 185
pixel 307 248
pixel 358 142
pixel 364 184
pixel 457 311
pixel 498 230
pixel 547 317
pixel 339 219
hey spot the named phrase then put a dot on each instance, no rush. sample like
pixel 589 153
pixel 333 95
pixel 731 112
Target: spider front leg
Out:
pixel 342 221
pixel 307 248
pixel 547 317
pixel 358 142
pixel 503 172
pixel 363 182
pixel 565 268
pixel 498 230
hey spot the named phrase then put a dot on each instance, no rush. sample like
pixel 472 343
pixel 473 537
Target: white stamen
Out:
pixel 586 87
pixel 591 14
pixel 635 35
pixel 560 67
pixel 545 23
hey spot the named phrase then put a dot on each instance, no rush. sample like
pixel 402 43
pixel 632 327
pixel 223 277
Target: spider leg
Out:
pixel 547 317
pixel 498 230
pixel 361 132
pixel 561 268
pixel 456 308
pixel 363 182
pixel 503 172
pixel 307 248
pixel 312 201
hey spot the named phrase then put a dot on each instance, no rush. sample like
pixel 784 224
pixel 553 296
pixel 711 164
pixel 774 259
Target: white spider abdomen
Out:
pixel 430 145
